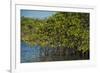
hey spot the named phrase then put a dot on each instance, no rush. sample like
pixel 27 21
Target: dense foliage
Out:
pixel 62 30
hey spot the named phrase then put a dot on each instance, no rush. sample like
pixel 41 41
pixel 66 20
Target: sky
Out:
pixel 36 13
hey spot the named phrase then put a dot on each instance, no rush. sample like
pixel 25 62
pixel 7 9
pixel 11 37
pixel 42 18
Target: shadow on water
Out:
pixel 38 54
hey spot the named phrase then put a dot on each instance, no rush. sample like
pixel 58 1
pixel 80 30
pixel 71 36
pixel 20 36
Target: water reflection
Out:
pixel 38 54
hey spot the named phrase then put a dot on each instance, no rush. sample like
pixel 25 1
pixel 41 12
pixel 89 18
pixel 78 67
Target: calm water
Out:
pixel 38 54
pixel 29 54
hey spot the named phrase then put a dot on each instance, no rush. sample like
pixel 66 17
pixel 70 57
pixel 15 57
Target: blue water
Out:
pixel 38 54
pixel 29 54
pixel 34 54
